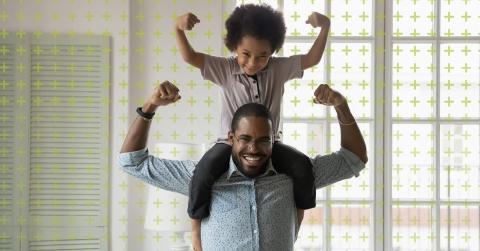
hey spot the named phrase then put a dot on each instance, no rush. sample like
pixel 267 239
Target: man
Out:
pixel 252 206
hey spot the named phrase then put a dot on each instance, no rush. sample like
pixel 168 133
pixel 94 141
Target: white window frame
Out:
pixel 436 122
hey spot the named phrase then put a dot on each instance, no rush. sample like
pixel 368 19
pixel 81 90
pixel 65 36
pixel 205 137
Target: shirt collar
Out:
pixel 238 71
pixel 233 170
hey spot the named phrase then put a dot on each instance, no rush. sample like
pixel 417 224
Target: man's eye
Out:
pixel 245 139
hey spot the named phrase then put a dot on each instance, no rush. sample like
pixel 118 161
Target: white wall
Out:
pixel 143 76
pixel 133 76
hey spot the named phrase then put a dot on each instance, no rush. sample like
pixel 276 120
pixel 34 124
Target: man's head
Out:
pixel 254 32
pixel 251 137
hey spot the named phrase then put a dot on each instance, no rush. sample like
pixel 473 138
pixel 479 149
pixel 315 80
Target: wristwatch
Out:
pixel 147 116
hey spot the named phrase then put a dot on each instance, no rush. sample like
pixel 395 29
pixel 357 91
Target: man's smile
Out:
pixel 252 158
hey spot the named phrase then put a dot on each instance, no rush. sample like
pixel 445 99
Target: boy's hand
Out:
pixel 327 96
pixel 164 94
pixel 318 20
pixel 186 21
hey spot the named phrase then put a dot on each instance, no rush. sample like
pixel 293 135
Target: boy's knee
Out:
pixel 302 168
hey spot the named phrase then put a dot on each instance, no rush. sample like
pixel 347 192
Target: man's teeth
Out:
pixel 252 158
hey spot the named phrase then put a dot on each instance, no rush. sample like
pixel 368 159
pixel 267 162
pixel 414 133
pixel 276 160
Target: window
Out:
pixel 433 126
pixel 412 80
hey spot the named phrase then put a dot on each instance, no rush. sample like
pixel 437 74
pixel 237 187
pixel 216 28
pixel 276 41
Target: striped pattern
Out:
pixel 7 133
pixel 54 102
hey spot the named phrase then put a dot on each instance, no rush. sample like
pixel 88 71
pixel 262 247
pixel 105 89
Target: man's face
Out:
pixel 251 145
pixel 253 54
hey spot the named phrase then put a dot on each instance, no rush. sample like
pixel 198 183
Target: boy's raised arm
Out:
pixel 186 22
pixel 315 54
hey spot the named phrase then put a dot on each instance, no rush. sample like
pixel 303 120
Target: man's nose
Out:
pixel 252 145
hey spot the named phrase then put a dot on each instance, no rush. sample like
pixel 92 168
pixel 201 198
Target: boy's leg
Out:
pixel 196 235
pixel 300 215
pixel 212 165
pixel 298 166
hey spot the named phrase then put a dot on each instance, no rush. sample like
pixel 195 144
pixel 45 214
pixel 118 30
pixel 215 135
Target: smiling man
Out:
pixel 253 205
pixel 251 139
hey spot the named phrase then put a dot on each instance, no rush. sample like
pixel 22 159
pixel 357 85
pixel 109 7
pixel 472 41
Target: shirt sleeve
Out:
pixel 287 68
pixel 217 69
pixel 170 175
pixel 336 166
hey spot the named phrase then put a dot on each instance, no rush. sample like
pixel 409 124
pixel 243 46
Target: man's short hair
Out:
pixel 259 21
pixel 250 110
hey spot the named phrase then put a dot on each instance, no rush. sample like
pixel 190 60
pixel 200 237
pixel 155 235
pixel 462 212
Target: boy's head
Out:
pixel 254 33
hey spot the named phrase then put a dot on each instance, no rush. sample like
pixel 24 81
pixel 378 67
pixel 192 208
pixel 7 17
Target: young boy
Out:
pixel 254 33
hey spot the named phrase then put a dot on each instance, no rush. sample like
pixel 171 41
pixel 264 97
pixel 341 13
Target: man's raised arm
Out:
pixel 351 158
pixel 351 137
pixel 164 94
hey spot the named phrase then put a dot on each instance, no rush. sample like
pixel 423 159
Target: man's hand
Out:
pixel 164 94
pixel 318 20
pixel 186 21
pixel 327 96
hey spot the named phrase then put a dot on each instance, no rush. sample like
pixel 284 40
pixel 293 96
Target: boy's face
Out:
pixel 253 54
pixel 251 145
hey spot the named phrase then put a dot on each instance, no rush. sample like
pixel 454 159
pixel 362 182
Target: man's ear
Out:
pixel 230 138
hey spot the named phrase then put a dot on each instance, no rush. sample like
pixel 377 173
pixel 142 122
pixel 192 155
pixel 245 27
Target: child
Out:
pixel 254 33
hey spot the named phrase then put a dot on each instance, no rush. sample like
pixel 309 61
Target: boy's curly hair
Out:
pixel 258 21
